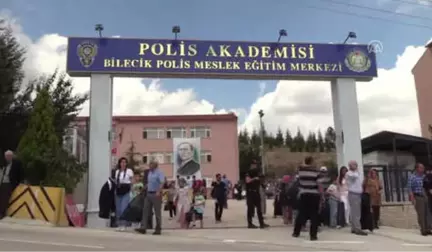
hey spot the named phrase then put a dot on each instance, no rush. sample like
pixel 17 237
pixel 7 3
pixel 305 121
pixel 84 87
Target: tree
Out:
pixel 299 142
pixel 11 62
pixel 321 146
pixel 288 139
pixel 244 137
pixel 329 139
pixel 311 144
pixel 270 141
pixel 279 139
pixel 314 142
pixel 255 140
pixel 39 144
pixel 45 160
pixel 130 155
pixel 66 104
pixel 247 153
pixel 14 105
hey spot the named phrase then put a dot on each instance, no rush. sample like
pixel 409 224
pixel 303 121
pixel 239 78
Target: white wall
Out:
pixel 404 159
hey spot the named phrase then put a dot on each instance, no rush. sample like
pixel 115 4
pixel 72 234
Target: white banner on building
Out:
pixel 187 153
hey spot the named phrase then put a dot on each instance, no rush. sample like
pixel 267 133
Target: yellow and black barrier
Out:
pixel 39 203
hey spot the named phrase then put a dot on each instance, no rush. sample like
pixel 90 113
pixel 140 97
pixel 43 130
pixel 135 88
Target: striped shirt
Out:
pixel 308 179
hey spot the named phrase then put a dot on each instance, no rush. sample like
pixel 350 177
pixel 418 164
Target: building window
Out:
pixel 200 132
pixel 169 158
pixel 153 133
pixel 176 132
pixel 206 157
pixel 154 156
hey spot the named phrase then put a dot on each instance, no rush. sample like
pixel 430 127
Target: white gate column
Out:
pixel 346 122
pixel 101 88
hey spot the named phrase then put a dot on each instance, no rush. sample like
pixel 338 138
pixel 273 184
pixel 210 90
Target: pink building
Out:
pixel 153 137
pixel 423 82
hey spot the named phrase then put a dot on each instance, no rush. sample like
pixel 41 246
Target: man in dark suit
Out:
pixel 145 182
pixel 187 165
pixel 427 186
pixel 10 178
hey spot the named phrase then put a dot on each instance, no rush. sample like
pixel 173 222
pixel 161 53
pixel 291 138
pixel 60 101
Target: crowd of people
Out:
pixel 132 198
pixel 350 198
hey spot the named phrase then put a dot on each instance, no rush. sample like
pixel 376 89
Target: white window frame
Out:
pixel 158 156
pixel 204 155
pixel 160 133
pixel 205 132
pixel 83 150
pixel 169 158
pixel 174 130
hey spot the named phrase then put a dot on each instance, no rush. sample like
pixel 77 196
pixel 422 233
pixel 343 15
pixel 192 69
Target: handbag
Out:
pixel 123 189
pixel 166 207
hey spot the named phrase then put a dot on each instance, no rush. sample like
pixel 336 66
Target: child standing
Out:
pixel 198 208
pixel 334 199
pixel 170 201
pixel 137 185
pixel 137 188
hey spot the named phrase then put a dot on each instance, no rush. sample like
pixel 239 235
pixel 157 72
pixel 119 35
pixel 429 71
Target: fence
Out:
pixel 394 182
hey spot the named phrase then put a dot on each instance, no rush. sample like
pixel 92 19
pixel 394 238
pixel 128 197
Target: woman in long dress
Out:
pixel 371 201
pixel 183 203
pixel 343 192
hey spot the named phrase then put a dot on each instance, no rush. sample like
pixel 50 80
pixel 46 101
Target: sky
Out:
pixel 388 102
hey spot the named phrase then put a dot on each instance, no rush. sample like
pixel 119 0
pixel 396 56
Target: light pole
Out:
pixel 351 35
pixel 261 115
pixel 99 28
pixel 175 30
pixel 282 33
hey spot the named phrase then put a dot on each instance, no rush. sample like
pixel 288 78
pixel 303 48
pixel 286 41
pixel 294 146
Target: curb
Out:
pixel 397 238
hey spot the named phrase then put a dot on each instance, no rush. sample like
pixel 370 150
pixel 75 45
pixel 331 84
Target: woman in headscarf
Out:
pixel 285 201
pixel 277 207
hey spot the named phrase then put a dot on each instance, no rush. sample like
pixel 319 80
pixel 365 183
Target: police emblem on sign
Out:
pixel 87 52
pixel 357 61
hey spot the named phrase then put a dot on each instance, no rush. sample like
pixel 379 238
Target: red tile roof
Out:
pixel 171 118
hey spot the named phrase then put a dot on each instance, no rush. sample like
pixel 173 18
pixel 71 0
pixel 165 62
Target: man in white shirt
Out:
pixel 354 181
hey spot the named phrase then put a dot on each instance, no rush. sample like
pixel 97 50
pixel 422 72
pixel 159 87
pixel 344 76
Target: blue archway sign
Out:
pixel 164 58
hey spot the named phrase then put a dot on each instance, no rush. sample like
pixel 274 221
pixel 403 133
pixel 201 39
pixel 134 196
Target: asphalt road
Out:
pixel 36 241
pixel 16 238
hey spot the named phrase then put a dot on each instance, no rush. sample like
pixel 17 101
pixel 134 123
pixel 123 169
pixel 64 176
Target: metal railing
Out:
pixel 394 181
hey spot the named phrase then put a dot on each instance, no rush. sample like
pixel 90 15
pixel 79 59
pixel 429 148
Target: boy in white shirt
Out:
pixel 334 199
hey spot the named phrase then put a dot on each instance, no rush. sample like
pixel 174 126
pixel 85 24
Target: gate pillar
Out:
pixel 101 95
pixel 346 122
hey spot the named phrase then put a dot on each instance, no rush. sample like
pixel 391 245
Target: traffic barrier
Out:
pixel 39 203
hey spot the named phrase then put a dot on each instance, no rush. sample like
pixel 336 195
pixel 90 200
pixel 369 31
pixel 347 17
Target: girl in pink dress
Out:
pixel 183 203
